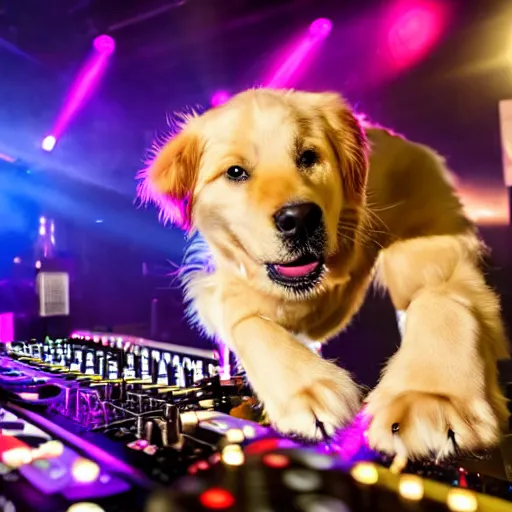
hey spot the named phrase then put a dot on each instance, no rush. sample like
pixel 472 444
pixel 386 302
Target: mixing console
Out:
pixel 105 423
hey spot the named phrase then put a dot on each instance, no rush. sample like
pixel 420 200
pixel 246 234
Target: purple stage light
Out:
pixel 219 98
pixel 320 28
pixel 104 44
pixel 48 143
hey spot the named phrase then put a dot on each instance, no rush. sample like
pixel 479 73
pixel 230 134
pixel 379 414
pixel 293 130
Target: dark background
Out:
pixel 172 53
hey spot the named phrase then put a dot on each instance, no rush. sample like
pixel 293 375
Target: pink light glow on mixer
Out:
pixel 413 28
pixel 219 98
pixel 294 61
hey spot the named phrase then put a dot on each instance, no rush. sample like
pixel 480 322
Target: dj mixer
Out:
pixel 99 423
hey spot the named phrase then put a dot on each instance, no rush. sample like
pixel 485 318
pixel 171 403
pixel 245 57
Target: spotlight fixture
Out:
pixel 320 28
pixel 48 143
pixel 104 44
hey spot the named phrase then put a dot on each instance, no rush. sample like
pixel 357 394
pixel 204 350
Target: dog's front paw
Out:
pixel 332 399
pixel 417 424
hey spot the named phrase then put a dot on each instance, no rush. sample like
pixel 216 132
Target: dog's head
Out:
pixel 274 181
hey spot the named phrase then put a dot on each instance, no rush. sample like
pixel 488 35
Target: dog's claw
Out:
pixel 320 426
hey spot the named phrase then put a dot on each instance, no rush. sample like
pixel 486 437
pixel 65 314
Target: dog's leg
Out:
pixel 296 386
pixel 442 382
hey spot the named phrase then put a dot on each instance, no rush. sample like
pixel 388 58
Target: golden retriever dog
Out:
pixel 300 208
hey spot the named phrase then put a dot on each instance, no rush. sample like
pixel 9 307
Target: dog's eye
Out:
pixel 307 158
pixel 237 173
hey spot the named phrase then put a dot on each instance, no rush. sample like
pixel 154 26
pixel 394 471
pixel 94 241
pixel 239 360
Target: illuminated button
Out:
pixel 235 435
pixel 318 503
pixel 462 500
pixel 202 465
pixel 317 460
pixel 17 457
pixel 85 470
pixel 105 479
pixel 233 455
pixel 262 446
pixel 56 473
pixel 50 449
pixel 9 507
pixel 411 487
pixel 41 464
pixel 217 498
pixel 365 473
pixel 85 506
pixel 249 431
pixel 275 460
pixel 4 469
pixel 302 480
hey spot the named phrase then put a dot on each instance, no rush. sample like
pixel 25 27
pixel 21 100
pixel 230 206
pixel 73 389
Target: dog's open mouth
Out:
pixel 301 274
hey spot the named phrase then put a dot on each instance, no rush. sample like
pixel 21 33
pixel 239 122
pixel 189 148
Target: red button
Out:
pixel 262 446
pixel 217 498
pixel 202 465
pixel 275 460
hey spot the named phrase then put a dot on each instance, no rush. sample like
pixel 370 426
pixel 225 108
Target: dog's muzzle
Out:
pixel 302 230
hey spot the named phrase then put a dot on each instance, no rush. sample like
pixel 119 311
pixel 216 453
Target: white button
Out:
pixel 317 503
pixel 302 480
pixel 85 506
pixel 85 470
pixel 317 460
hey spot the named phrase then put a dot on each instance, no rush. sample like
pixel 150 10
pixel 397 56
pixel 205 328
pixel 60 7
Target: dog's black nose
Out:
pixel 298 220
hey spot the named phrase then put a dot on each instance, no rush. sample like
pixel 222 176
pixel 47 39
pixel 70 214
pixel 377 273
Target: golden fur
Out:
pixel 390 214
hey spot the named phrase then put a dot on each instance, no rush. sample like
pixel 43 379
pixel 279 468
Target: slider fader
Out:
pixel 103 423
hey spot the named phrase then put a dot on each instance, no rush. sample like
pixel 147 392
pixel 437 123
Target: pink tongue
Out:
pixel 298 271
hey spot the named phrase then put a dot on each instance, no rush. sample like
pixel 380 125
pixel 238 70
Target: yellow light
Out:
pixel 365 473
pixel 235 435
pixel 17 457
pixel 85 506
pixel 411 487
pixel 462 500
pixel 49 450
pixel 232 455
pixel 85 470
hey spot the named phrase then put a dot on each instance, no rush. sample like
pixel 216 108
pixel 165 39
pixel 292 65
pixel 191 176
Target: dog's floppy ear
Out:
pixel 170 178
pixel 348 140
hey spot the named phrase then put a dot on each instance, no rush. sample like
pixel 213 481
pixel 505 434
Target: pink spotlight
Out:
pixel 104 44
pixel 219 98
pixel 295 59
pixel 413 29
pixel 83 86
pixel 49 142
pixel 320 28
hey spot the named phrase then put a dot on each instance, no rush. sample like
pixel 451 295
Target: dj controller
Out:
pixel 99 423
